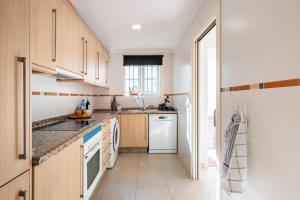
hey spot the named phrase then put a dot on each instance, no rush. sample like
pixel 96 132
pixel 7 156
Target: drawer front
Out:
pixel 106 126
pixel 17 188
pixel 106 142
pixel 105 136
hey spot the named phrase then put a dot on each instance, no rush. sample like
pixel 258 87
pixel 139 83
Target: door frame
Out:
pixel 212 22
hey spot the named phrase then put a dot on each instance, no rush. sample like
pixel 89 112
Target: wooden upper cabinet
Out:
pixel 59 38
pixel 90 57
pixel 14 89
pixel 69 38
pixel 60 177
pixel 16 189
pixel 106 71
pixel 134 129
pixel 102 68
pixel 43 37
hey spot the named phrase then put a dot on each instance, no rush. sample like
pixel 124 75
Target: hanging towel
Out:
pixel 235 173
pixel 230 137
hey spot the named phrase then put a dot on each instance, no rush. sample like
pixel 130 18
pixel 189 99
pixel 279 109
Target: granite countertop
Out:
pixel 147 111
pixel 46 144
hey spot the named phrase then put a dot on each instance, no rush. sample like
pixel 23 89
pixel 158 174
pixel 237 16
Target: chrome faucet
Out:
pixel 141 102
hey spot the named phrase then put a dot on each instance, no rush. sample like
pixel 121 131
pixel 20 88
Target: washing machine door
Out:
pixel 116 137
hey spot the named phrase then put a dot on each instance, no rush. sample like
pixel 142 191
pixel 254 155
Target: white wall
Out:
pixel 117 79
pixel 260 43
pixel 183 78
pixel 44 107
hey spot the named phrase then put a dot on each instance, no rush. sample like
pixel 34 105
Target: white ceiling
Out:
pixel 163 21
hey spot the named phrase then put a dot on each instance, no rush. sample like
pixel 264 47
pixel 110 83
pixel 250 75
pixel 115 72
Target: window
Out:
pixel 142 79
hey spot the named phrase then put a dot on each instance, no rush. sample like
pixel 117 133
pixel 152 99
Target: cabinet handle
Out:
pixel 146 128
pixel 83 58
pixel 23 156
pixel 22 194
pixel 98 59
pixel 81 171
pixel 86 57
pixel 106 66
pixel 54 35
pixel 215 122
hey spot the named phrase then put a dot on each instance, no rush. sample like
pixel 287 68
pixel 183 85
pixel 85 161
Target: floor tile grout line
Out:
pixel 168 184
pixel 137 174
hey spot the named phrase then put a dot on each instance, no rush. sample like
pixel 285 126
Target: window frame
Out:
pixel 141 79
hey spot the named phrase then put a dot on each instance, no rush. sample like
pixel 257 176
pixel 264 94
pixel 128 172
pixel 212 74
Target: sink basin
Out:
pixel 135 110
pixel 140 110
pixel 151 110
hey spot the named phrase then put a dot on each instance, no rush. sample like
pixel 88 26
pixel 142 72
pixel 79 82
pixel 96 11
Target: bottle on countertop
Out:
pixel 87 104
pixel 82 104
pixel 114 104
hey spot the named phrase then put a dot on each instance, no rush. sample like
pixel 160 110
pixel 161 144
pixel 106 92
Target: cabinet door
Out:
pixel 14 89
pixel 134 130
pixel 60 177
pixel 102 66
pixel 91 57
pixel 68 38
pixel 16 189
pixel 98 63
pixel 100 71
pixel 43 38
pixel 106 71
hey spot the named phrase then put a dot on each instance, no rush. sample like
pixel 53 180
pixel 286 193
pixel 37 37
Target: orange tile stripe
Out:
pixel 36 93
pixel 267 85
pixel 177 94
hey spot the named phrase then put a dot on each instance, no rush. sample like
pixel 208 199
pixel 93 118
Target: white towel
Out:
pixel 236 177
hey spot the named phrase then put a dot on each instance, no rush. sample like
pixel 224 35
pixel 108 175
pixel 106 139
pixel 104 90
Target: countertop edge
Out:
pixel 37 160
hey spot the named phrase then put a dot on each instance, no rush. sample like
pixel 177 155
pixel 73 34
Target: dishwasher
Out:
pixel 163 133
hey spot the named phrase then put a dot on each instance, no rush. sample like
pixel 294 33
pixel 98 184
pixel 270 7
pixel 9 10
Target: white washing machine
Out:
pixel 115 140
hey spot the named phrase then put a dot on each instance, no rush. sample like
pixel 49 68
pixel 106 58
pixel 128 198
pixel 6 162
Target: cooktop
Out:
pixel 69 125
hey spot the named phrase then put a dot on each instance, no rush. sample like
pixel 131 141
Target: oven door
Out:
pixel 92 169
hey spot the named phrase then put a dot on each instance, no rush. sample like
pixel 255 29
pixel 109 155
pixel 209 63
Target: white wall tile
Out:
pixel 183 77
pixel 44 107
pixel 274 39
pixel 235 43
pixel 268 45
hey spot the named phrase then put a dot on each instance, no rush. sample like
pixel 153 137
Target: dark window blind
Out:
pixel 142 60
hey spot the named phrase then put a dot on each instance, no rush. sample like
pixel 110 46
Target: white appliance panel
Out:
pixel 163 133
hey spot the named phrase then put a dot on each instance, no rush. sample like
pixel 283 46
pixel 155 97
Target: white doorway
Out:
pixel 207 97
pixel 206 107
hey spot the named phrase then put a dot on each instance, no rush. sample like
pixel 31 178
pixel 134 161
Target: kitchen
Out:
pixel 82 109
pixel 149 100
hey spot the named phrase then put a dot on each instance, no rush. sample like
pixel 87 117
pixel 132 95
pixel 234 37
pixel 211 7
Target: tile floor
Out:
pixel 154 177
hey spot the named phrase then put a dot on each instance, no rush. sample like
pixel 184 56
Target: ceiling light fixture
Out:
pixel 136 27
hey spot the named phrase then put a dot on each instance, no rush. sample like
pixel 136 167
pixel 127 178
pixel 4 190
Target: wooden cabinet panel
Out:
pixel 60 177
pixel 69 39
pixel 134 130
pixel 90 57
pixel 60 39
pixel 43 24
pixel 18 188
pixel 14 89
pixel 102 66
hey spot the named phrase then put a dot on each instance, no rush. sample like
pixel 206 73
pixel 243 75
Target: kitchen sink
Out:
pixel 140 110
pixel 135 110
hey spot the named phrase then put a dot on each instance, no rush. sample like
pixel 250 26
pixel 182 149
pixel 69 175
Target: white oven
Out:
pixel 92 161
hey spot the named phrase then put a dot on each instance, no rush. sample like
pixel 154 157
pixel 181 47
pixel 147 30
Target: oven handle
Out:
pixel 92 151
pixel 81 171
